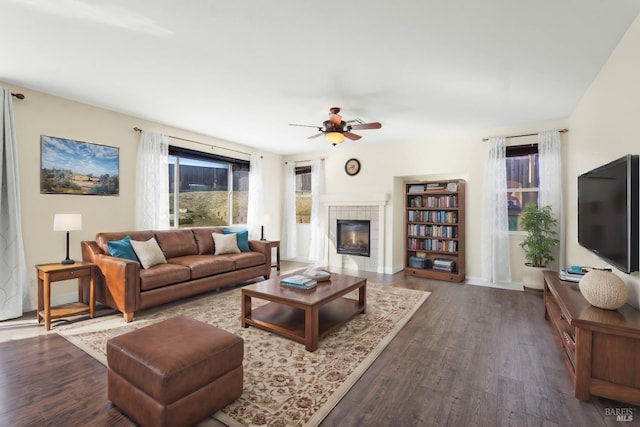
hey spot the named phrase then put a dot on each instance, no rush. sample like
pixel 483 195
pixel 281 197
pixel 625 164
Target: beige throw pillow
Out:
pixel 225 243
pixel 149 252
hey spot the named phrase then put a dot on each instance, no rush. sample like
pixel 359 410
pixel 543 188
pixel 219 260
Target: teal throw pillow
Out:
pixel 122 248
pixel 243 239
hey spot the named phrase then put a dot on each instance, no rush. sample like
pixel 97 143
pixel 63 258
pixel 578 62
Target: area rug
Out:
pixel 284 385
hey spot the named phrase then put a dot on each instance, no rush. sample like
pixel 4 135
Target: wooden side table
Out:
pixel 48 273
pixel 276 244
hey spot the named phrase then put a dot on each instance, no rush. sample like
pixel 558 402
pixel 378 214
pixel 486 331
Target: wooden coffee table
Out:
pixel 304 315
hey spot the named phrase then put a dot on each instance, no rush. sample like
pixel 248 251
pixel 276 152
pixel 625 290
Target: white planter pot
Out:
pixel 533 277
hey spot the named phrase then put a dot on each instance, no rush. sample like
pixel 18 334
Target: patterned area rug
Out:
pixel 284 385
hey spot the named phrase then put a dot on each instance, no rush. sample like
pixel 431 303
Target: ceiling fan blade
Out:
pixel 351 136
pixel 314 136
pixel 374 125
pixel 306 126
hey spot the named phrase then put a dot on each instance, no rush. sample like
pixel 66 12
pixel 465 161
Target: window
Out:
pixel 522 181
pixel 303 195
pixel 206 189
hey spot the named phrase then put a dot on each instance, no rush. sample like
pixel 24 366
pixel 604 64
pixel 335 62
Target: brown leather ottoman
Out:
pixel 174 373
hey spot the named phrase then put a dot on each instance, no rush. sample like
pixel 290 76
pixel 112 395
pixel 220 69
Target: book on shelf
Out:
pixel 435 186
pixel 447 265
pixel 568 276
pixel 577 269
pixel 299 281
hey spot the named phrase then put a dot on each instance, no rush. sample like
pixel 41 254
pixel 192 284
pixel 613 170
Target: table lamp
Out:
pixel 264 221
pixel 67 222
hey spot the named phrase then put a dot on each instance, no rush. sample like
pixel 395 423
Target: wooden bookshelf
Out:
pixel 434 229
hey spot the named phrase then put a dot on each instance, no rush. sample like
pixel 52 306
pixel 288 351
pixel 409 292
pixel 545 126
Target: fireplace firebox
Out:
pixel 353 237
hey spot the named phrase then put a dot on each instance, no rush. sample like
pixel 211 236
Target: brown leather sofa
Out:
pixel 191 268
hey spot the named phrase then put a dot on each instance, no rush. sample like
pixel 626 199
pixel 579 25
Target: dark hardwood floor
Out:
pixel 470 356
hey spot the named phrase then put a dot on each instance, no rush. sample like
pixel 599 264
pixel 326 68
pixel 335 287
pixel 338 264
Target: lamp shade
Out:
pixel 67 222
pixel 265 220
pixel 334 138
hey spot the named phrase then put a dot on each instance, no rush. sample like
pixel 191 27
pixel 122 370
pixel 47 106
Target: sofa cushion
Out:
pixel 242 239
pixel 225 244
pixel 103 238
pixel 205 265
pixel 246 259
pixel 162 275
pixel 204 239
pixel 148 252
pixel 122 249
pixel 175 243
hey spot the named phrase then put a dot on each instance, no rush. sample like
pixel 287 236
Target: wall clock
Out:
pixel 352 167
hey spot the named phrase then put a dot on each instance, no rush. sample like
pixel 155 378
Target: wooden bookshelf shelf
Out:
pixel 434 232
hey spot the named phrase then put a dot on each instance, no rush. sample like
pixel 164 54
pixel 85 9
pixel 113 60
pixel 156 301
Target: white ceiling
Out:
pixel 242 70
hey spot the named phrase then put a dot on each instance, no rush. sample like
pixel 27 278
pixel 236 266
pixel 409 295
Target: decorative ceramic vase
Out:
pixel 603 289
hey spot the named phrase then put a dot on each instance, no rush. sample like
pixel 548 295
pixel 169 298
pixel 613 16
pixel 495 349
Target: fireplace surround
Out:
pixel 357 206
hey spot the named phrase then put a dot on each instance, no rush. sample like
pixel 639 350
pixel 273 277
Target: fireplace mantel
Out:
pixel 355 199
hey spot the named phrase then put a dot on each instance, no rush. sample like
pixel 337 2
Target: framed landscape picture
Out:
pixel 76 167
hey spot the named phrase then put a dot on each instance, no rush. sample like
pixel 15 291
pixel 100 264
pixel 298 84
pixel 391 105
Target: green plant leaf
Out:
pixel 540 225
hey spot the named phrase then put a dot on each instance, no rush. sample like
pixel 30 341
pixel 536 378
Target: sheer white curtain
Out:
pixel 152 182
pixel 290 244
pixel 255 208
pixel 13 280
pixel 318 230
pixel 550 186
pixel 495 223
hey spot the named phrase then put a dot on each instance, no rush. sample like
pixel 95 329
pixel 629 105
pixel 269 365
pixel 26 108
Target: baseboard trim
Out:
pixel 511 286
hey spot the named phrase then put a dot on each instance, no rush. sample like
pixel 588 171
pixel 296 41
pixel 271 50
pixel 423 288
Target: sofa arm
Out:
pixel 117 280
pixel 264 247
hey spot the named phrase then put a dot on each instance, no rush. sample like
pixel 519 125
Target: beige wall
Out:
pixel 385 167
pixel 41 114
pixel 605 125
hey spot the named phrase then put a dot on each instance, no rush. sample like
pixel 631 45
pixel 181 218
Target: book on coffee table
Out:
pixel 299 281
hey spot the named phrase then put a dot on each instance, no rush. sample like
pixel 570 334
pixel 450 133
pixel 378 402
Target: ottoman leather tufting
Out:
pixel 174 373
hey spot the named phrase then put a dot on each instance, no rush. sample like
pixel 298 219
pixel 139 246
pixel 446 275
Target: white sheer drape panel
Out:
pixel 290 245
pixel 13 276
pixel 495 224
pixel 318 230
pixel 152 182
pixel 550 186
pixel 255 208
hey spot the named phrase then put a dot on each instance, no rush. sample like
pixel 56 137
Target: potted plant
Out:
pixel 540 225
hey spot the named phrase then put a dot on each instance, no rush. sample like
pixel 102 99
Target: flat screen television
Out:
pixel 608 212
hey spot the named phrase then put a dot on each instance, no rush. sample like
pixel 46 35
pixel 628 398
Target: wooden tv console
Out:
pixel 604 360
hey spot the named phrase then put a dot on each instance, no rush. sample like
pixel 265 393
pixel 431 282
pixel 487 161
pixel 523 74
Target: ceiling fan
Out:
pixel 335 129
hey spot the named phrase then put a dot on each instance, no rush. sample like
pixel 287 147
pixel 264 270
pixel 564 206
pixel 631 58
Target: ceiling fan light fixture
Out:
pixel 334 138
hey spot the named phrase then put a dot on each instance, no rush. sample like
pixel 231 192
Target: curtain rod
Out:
pixel 302 161
pixel 137 129
pixel 18 95
pixel 526 134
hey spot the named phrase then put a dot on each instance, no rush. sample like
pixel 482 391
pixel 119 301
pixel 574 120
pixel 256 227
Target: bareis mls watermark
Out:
pixel 621 414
